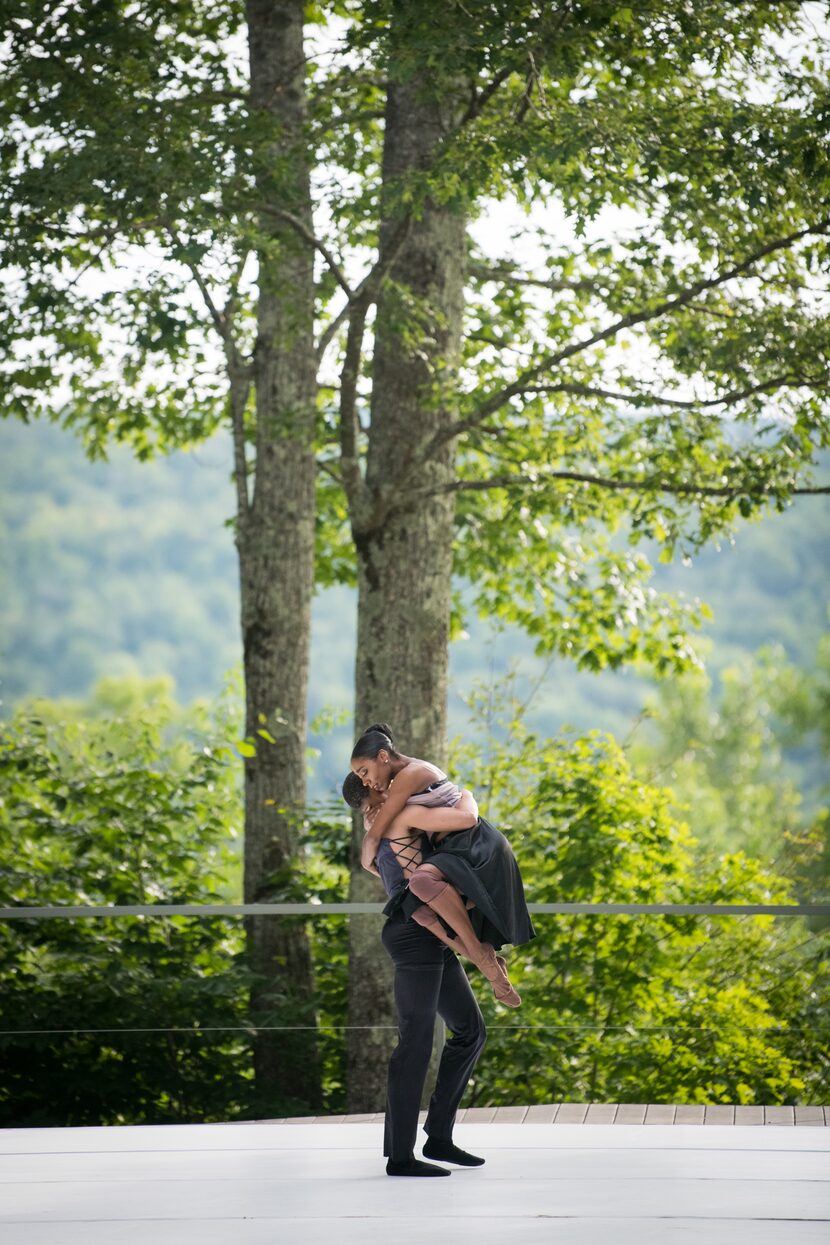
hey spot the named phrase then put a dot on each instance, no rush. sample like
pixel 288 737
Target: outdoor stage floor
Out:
pixel 276 1184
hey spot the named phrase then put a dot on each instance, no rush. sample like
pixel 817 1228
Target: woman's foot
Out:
pixel 494 968
pixel 510 998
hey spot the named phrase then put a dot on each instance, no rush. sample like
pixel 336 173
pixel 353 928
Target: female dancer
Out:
pixel 476 861
pixel 407 851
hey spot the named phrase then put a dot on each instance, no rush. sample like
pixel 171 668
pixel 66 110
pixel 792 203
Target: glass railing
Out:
pixel 153 1013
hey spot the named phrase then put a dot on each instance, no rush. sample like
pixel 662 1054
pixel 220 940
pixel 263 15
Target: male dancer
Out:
pixel 429 981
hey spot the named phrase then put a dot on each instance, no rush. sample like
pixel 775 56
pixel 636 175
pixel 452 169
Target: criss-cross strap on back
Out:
pixel 409 855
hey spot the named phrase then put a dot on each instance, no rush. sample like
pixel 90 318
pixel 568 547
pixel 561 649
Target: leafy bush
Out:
pixel 127 1020
pixel 121 1020
pixel 642 1008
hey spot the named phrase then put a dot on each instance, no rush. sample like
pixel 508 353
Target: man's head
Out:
pixel 359 796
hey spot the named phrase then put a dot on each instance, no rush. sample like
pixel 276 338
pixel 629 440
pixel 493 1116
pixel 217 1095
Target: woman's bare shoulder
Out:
pixel 428 769
pixel 417 773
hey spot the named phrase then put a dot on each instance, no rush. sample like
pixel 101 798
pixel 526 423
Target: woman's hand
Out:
pixel 369 817
pixel 367 856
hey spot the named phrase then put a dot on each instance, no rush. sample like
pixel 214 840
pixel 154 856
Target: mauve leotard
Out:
pixel 440 794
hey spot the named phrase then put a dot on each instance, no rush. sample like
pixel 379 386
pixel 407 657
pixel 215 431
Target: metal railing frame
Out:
pixel 74 912
pixel 23 913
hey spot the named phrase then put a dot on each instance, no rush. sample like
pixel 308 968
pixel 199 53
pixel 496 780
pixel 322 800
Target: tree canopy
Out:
pixel 659 367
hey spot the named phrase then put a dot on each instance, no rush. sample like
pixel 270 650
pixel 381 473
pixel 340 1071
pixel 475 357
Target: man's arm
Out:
pixel 443 819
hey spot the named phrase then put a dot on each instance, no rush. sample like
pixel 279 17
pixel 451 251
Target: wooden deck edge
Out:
pixel 606 1113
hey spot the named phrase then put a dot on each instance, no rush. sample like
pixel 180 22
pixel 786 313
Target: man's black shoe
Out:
pixel 414 1167
pixel 448 1152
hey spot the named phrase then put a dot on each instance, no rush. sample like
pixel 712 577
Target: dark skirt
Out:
pixel 480 864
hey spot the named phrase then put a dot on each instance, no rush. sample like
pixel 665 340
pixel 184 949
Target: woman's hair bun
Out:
pixel 376 737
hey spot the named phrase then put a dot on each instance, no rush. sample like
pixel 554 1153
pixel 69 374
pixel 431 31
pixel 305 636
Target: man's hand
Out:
pixel 467 804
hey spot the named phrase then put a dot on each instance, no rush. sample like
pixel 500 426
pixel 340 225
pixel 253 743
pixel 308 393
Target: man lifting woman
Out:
pixel 453 885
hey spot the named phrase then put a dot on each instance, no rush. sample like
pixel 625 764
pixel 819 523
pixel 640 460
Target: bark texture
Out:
pixel 275 540
pixel 404 546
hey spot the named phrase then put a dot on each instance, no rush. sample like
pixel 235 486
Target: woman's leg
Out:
pixel 430 920
pixel 429 884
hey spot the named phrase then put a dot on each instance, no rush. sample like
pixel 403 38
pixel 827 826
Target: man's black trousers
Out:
pixel 429 981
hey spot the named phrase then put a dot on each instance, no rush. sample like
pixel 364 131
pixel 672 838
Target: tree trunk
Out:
pixel 404 555
pixel 276 553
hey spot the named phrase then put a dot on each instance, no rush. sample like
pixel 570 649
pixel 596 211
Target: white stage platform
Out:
pixel 324 1184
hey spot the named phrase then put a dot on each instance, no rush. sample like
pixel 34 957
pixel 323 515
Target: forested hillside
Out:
pixel 125 567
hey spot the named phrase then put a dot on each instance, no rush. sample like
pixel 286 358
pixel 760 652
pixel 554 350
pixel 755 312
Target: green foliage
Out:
pixel 121 567
pixel 123 1020
pixel 105 162
pixel 658 374
pixel 637 1009
pixel 731 760
pixel 113 569
pixel 128 799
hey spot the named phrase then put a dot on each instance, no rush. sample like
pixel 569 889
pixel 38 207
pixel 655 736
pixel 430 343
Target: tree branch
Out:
pixel 108 233
pixel 357 311
pixel 317 243
pixel 498 272
pixel 349 422
pixel 240 373
pixel 331 330
pixel 711 311
pixel 658 486
pixel 352 118
pixel 233 284
pixel 527 94
pixel 789 381
pixel 648 313
pixel 330 471
pixel 369 286
pixel 240 387
pixel 481 98
pixel 526 381
pixel 214 312
pixel 376 274
pixel 215 97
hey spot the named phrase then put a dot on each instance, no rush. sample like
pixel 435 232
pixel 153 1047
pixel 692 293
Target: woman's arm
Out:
pixel 413 777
